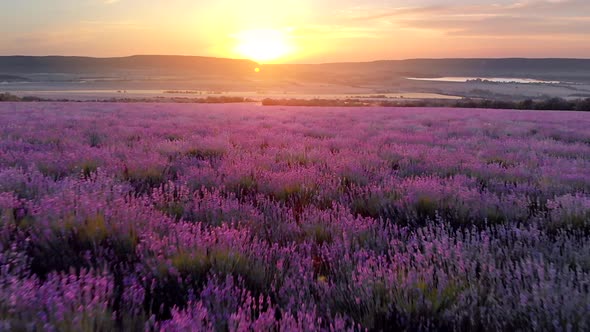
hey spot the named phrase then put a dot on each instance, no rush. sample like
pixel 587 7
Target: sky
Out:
pixel 298 31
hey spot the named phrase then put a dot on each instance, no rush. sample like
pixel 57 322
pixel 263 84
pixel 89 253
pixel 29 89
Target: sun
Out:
pixel 263 45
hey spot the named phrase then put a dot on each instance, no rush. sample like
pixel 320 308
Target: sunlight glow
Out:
pixel 263 45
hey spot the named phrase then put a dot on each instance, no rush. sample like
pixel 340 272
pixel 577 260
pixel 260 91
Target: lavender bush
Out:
pixel 180 217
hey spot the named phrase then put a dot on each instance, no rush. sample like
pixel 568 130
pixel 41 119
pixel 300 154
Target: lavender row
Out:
pixel 182 217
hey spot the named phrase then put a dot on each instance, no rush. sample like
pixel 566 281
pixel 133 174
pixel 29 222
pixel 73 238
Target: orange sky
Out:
pixel 298 30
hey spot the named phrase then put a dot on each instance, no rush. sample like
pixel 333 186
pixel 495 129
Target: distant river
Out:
pixel 80 94
pixel 488 79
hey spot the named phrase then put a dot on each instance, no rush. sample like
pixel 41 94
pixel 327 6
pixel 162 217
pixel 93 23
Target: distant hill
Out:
pixel 159 64
pixel 547 69
pixel 576 70
pixel 12 78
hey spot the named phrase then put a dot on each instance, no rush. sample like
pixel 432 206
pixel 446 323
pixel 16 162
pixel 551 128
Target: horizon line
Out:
pixel 291 63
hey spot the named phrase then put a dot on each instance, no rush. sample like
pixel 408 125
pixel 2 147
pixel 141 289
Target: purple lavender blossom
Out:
pixel 180 217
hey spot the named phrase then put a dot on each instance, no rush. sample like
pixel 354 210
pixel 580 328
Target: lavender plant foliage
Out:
pixel 180 217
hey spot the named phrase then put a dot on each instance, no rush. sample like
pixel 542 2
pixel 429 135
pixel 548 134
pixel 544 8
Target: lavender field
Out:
pixel 180 217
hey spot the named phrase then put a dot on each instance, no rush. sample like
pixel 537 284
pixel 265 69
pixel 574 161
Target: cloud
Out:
pixel 535 7
pixel 127 25
pixel 503 26
pixel 326 31
pixel 524 18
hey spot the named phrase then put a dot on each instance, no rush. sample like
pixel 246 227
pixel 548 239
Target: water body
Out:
pixel 487 79
pixel 92 94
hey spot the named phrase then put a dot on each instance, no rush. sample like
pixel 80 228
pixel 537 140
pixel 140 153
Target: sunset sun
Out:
pixel 263 45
